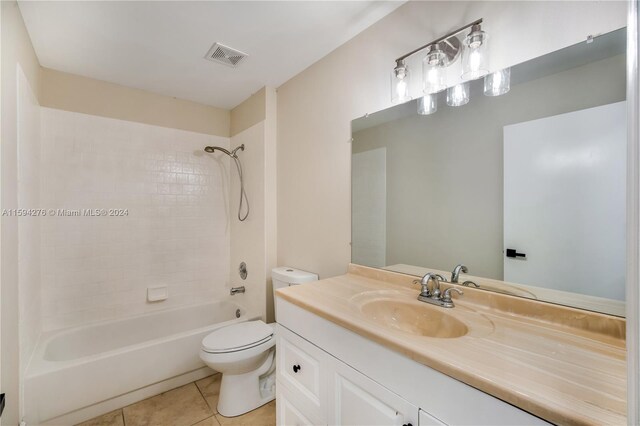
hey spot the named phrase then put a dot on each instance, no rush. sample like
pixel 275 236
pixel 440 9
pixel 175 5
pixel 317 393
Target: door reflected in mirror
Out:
pixel 526 189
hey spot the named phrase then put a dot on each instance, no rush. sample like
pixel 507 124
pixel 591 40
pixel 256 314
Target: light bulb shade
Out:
pixel 428 104
pixel 400 78
pixel 435 55
pixel 474 56
pixel 497 83
pixel 432 76
pixel 458 95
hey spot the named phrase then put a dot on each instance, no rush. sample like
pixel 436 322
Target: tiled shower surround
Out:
pixel 175 231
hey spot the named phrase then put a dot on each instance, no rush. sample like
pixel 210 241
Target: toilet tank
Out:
pixel 284 276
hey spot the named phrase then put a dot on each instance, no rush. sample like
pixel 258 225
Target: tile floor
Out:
pixel 189 405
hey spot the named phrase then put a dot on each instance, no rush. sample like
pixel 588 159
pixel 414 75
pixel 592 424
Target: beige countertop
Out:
pixel 564 365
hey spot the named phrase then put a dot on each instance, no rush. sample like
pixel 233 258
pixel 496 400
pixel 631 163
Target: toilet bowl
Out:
pixel 245 354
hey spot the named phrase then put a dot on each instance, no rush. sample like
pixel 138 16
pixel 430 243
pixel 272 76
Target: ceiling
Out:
pixel 160 46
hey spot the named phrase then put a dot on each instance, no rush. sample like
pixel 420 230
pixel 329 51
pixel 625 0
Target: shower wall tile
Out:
pixel 176 232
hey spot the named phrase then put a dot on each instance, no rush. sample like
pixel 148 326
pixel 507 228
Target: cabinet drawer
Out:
pixel 292 411
pixel 300 366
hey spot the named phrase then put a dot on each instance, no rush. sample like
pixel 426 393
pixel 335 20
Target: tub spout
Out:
pixel 236 290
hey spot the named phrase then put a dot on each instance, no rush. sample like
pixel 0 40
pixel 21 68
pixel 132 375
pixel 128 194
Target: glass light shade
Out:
pixel 474 56
pixel 497 83
pixel 458 95
pixel 400 85
pixel 428 104
pixel 432 76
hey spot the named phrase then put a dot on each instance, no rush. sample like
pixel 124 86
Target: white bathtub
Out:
pixel 80 372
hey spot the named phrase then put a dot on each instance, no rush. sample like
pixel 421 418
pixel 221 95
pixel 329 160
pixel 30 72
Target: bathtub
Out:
pixel 81 372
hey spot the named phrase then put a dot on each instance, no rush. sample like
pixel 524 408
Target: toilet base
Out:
pixel 247 409
pixel 240 393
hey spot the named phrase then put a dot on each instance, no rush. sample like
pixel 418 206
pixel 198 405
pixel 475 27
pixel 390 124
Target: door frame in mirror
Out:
pixel 633 217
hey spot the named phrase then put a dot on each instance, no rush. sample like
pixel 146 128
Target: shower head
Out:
pixel 234 156
pixel 212 149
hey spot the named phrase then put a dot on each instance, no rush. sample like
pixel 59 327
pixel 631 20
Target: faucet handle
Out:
pixel 424 289
pixel 440 278
pixel 446 296
pixel 470 283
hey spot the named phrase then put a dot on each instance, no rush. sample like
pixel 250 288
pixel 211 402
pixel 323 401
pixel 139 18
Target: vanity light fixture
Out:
pixel 474 54
pixel 400 82
pixel 458 95
pixel 441 53
pixel 497 83
pixel 433 69
pixel 428 104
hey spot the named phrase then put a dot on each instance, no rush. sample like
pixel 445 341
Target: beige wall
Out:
pixel 270 190
pixel 249 112
pixel 316 106
pixel 75 93
pixel 16 49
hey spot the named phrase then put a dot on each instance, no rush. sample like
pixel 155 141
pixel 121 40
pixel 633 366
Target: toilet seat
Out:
pixel 237 337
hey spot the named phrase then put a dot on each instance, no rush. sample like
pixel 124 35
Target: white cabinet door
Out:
pixel 358 400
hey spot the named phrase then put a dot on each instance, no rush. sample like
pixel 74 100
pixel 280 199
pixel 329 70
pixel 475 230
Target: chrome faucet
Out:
pixel 433 295
pixel 455 274
pixel 236 290
pixel 424 282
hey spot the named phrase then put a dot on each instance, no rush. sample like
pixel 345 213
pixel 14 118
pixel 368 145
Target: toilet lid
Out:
pixel 237 337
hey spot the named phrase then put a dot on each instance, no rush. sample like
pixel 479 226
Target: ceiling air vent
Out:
pixel 225 55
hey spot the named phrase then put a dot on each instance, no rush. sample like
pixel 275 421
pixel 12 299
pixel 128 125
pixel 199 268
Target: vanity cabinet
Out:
pixel 328 375
pixel 315 388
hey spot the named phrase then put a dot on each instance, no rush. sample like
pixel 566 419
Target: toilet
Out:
pixel 245 355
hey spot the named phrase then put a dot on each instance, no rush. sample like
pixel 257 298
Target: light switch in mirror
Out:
pixel 526 189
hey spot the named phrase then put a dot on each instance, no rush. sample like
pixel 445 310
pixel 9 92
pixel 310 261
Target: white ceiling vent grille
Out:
pixel 225 55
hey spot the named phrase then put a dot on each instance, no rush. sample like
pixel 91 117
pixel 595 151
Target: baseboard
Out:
pixel 95 410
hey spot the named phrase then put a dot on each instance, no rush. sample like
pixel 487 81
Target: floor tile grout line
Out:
pixel 206 418
pixel 215 410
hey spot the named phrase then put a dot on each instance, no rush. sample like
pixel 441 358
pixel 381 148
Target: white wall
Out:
pixel 16 49
pixel 271 193
pixel 248 242
pixel 316 106
pixel 176 233
pixel 28 226
pixel 253 241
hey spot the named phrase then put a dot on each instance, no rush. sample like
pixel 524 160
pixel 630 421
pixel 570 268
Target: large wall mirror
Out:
pixel 527 189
